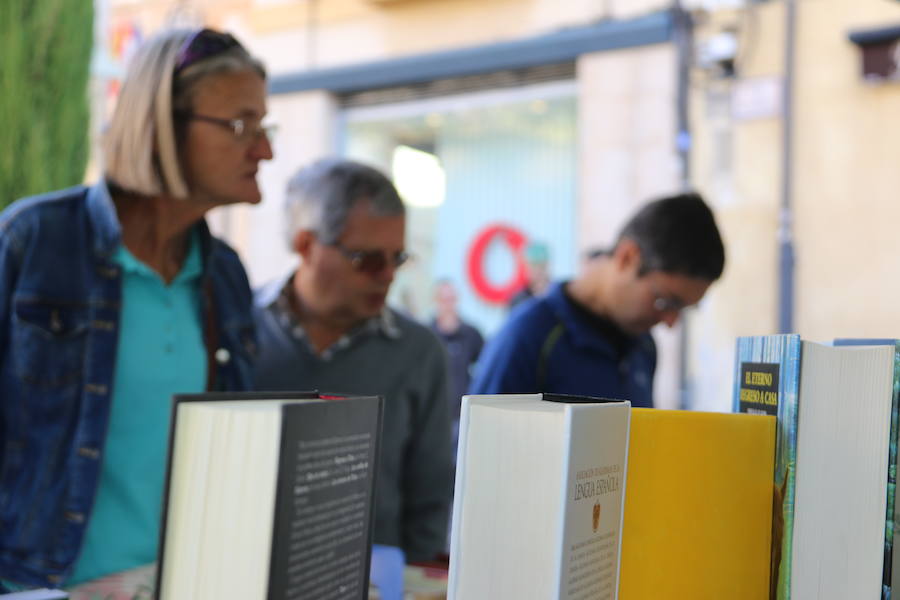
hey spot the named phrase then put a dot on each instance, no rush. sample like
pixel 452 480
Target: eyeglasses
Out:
pixel 243 129
pixel 372 261
pixel 663 303
pixel 203 44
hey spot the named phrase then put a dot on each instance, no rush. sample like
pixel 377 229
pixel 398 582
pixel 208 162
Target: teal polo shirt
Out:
pixel 160 353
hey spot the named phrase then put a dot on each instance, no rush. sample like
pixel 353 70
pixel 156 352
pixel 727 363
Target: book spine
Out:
pixel 890 518
pixel 624 492
pixel 458 495
pixel 785 352
pixel 565 483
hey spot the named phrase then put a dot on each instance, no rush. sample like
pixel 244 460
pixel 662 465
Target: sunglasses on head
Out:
pixel 203 44
pixel 372 261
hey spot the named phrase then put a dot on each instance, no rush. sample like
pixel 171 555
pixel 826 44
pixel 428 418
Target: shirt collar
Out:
pixel 385 323
pixel 192 268
pixel 108 237
pixel 582 333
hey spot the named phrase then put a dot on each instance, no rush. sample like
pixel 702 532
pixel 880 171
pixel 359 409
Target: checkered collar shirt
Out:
pixel 384 324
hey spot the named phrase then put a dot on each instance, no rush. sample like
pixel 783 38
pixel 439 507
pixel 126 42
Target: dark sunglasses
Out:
pixel 372 261
pixel 203 44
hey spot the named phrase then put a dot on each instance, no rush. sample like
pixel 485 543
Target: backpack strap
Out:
pixel 544 356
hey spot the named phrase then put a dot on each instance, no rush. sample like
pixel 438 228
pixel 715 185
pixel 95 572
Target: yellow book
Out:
pixel 698 506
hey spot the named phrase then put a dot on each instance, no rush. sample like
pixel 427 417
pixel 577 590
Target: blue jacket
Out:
pixel 60 295
pixel 547 346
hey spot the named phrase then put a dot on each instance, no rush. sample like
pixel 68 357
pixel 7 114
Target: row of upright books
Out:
pixel 791 496
pixel 836 410
pixel 637 503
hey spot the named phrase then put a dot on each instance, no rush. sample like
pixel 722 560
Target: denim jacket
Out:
pixel 60 296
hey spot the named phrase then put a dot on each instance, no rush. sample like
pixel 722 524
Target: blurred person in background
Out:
pixel 113 298
pixel 463 343
pixel 591 336
pixel 325 326
pixel 537 266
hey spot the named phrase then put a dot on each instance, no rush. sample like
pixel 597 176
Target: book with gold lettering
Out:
pixel 269 495
pixel 834 406
pixel 698 508
pixel 539 496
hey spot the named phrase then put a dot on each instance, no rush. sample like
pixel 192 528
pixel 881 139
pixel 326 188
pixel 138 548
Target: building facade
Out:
pixel 511 121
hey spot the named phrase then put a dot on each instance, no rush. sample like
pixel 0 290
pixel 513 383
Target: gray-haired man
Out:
pixel 326 327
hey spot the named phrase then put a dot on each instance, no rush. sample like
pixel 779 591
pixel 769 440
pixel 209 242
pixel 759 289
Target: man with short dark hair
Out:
pixel 591 335
pixel 326 327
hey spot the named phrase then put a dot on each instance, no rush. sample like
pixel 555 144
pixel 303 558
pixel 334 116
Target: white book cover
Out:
pixel 539 498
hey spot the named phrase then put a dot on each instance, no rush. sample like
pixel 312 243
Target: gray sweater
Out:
pixel 403 361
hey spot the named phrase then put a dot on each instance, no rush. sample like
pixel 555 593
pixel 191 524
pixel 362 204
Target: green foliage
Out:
pixel 45 50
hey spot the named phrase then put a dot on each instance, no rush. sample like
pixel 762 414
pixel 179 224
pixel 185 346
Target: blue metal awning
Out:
pixel 865 37
pixel 554 48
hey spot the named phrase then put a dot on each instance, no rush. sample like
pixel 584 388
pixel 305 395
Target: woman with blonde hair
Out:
pixel 113 297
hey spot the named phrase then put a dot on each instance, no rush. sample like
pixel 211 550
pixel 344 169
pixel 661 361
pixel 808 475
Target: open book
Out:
pixel 269 495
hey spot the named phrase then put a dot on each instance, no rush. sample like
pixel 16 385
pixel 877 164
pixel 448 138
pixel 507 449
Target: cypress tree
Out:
pixel 45 52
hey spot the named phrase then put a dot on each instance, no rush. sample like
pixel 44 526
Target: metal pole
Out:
pixel 786 216
pixel 683 38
